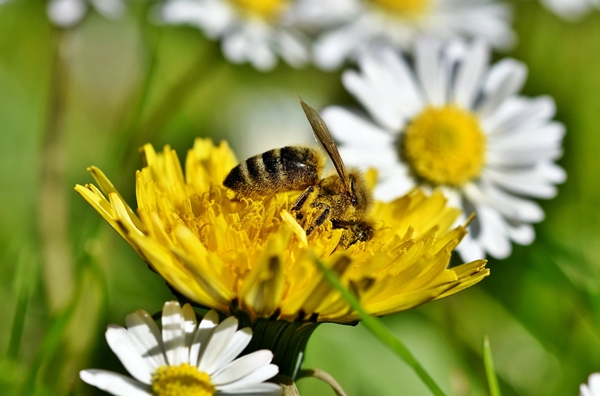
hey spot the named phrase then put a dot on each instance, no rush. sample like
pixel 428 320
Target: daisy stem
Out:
pixel 490 370
pixel 53 207
pixel 375 326
pixel 325 377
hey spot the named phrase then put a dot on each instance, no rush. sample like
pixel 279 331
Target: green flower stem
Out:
pixel 490 370
pixel 325 377
pixel 53 202
pixel 381 332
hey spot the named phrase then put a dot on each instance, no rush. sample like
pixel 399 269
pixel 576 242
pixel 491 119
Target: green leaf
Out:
pixel 381 332
pixel 490 370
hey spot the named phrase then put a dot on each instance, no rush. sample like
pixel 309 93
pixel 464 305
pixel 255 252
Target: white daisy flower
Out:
pixel 454 123
pixel 592 388
pixel 186 359
pixel 254 31
pixel 68 13
pixel 357 25
pixel 571 9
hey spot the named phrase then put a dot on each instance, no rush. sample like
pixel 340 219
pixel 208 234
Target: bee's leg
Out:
pixel 302 199
pixel 322 217
pixel 360 232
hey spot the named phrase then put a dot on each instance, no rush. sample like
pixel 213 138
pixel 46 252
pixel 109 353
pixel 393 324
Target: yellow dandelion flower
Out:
pixel 251 256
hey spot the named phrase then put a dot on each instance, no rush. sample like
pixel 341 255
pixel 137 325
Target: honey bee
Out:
pixel 342 198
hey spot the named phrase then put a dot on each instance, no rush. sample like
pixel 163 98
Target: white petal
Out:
pixel 470 249
pixel 395 184
pixel 535 182
pixel 352 129
pixel 523 233
pixel 114 383
pixel 293 48
pixel 470 73
pixel 238 343
pixel 512 207
pixel 141 327
pixel 518 113
pixel 428 66
pixel 378 89
pixel 383 158
pixel 255 364
pixel 205 330
pixel 173 334
pixel 408 95
pixel 262 389
pixel 218 342
pixel 493 232
pixel 594 383
pixel 130 353
pixel 109 8
pixel 66 13
pixel 234 47
pixel 190 324
pixel 505 79
pixel 332 48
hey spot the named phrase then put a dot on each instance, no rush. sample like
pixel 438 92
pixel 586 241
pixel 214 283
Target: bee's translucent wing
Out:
pixel 324 137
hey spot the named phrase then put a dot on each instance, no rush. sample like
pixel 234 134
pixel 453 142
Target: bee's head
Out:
pixel 360 195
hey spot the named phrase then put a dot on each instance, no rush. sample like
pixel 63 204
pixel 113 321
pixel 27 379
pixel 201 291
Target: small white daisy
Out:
pixel 357 25
pixel 571 9
pixel 68 13
pixel 254 31
pixel 186 359
pixel 454 123
pixel 592 388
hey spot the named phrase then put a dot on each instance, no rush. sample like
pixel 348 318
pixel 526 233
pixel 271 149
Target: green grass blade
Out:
pixel 490 369
pixel 381 332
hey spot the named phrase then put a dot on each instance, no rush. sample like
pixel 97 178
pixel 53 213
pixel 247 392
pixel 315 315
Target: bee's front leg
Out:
pixel 324 215
pixel 297 206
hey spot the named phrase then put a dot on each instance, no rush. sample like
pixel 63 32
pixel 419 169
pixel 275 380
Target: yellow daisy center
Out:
pixel 182 380
pixel 261 8
pixel 405 8
pixel 445 145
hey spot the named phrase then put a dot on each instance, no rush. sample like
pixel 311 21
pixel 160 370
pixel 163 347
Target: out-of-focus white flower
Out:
pixel 453 122
pixel 254 31
pixel 68 13
pixel 592 388
pixel 357 25
pixel 186 359
pixel 571 9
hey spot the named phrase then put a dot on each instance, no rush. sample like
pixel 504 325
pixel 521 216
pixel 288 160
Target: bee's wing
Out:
pixel 324 137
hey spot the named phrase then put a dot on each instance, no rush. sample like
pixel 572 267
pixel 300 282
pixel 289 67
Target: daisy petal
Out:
pixel 114 383
pixel 350 128
pixel 173 334
pixel 141 327
pixel 255 364
pixel 205 330
pixel 218 342
pixel 505 79
pixel 131 353
pixel 469 75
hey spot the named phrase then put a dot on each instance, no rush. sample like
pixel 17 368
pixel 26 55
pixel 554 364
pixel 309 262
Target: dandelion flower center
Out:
pixel 182 380
pixel 444 145
pixel 262 8
pixel 405 8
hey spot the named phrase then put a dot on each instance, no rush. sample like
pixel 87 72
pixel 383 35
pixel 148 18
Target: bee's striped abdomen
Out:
pixel 285 169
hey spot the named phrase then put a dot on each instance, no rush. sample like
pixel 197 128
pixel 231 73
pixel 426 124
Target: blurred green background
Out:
pixel 62 282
